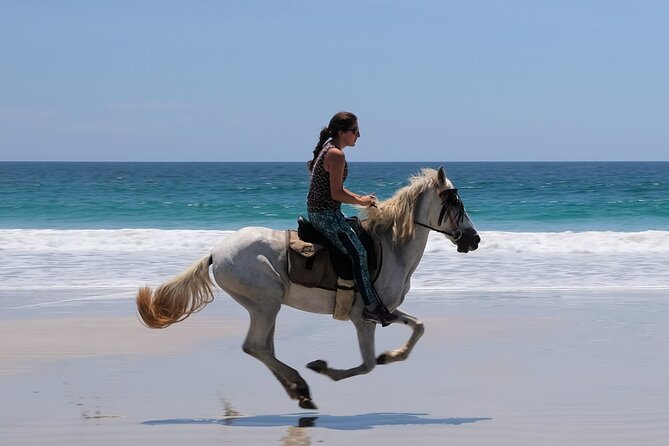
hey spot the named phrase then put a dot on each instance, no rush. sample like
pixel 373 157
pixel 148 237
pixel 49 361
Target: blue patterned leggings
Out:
pixel 332 224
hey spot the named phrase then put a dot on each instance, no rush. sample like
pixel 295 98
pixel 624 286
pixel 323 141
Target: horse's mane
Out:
pixel 396 213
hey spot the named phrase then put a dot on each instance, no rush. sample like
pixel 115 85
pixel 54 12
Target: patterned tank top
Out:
pixel 319 198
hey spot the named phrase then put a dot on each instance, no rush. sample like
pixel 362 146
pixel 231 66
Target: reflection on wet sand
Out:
pixel 296 436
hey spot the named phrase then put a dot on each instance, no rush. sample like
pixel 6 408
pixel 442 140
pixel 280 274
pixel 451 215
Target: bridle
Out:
pixel 449 200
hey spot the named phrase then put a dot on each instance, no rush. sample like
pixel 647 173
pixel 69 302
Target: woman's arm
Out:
pixel 334 164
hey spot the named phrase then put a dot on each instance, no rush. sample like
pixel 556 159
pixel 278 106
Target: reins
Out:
pixel 454 235
pixel 449 198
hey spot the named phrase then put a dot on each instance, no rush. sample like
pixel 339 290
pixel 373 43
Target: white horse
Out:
pixel 251 266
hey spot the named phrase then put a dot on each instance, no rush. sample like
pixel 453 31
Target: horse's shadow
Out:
pixel 338 422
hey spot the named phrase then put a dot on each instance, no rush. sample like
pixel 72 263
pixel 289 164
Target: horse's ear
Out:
pixel 441 176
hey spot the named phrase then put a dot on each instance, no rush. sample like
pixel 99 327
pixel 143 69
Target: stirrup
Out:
pixel 380 316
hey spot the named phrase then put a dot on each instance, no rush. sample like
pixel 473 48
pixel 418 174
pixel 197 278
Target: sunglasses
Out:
pixel 355 130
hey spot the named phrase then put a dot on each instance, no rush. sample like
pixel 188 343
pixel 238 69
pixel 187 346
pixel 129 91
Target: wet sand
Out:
pixel 541 369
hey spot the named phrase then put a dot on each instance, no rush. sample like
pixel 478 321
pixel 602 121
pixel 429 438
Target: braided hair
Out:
pixel 341 121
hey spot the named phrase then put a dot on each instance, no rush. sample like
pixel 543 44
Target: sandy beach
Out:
pixel 538 369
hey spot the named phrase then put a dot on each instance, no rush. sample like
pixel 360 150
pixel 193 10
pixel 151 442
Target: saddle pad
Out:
pixel 309 263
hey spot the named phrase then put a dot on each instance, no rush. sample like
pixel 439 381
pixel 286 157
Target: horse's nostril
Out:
pixel 477 239
pixel 457 235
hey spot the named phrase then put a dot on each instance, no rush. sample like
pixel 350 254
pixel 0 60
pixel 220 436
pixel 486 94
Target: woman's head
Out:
pixel 342 122
pixel 344 126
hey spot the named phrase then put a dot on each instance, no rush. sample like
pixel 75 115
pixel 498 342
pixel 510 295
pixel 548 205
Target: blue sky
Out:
pixel 256 80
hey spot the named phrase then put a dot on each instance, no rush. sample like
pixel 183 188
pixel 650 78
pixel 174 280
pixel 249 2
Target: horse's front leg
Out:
pixel 366 342
pixel 402 353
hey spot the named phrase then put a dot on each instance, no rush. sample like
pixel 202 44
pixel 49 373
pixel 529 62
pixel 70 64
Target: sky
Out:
pixel 252 80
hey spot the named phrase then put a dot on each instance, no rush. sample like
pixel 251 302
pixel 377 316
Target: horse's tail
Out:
pixel 178 298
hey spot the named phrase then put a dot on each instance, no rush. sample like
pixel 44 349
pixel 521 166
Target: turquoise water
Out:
pixel 533 197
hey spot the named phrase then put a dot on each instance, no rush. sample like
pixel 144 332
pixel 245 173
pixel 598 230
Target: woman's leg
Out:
pixel 333 225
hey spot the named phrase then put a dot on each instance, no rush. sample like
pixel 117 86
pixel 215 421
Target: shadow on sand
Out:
pixel 344 422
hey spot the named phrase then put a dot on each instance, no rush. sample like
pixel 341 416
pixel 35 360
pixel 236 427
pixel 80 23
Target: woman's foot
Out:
pixel 378 315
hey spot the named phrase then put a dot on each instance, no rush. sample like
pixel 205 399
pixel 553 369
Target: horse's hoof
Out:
pixel 306 403
pixel 307 422
pixel 382 359
pixel 318 365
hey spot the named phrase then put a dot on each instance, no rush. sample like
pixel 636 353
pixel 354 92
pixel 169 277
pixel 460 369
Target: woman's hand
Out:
pixel 368 200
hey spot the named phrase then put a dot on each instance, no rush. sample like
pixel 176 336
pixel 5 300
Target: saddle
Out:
pixel 314 262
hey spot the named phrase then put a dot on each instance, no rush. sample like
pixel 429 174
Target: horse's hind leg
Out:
pixel 282 379
pixel 259 343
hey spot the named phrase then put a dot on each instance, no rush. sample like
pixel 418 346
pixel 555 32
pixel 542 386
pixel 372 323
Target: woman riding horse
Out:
pixel 329 170
pixel 251 266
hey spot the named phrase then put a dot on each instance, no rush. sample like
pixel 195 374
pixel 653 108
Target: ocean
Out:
pixel 90 233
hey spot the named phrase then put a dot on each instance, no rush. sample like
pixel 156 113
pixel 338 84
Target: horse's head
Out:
pixel 444 212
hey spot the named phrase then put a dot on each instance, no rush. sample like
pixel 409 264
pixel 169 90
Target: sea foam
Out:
pixel 142 240
pixel 111 264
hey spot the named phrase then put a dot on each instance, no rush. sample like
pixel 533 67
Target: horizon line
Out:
pixel 356 162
